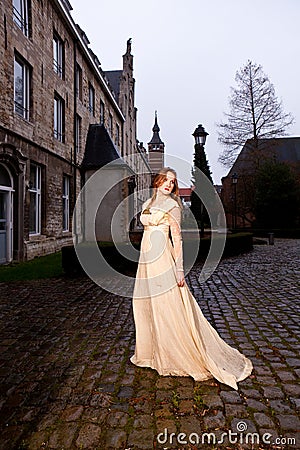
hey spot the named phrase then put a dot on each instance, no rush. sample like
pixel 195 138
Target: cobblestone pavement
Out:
pixel 67 382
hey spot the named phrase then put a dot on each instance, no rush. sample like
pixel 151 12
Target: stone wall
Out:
pixel 33 140
pixel 43 245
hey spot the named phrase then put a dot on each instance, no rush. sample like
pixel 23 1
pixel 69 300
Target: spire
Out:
pixel 155 138
pixel 156 128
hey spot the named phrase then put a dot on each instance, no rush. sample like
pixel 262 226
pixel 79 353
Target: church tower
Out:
pixel 156 149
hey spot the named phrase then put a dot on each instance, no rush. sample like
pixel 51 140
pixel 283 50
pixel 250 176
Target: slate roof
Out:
pixel 114 79
pixel 100 149
pixel 288 149
pixel 285 150
pixel 156 138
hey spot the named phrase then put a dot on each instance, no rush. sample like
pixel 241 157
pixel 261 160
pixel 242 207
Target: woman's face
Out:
pixel 168 185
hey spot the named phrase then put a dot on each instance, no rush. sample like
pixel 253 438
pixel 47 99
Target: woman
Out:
pixel 172 335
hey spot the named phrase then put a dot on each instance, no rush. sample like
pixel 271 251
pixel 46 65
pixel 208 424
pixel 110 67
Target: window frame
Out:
pixel 21 16
pixel 59 118
pixel 102 112
pixel 58 55
pixel 117 135
pixel 78 81
pixel 110 125
pixel 66 203
pixel 91 99
pixel 36 191
pixel 22 108
pixel 78 131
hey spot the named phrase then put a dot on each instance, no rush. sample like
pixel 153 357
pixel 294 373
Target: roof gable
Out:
pixel 285 150
pixel 100 149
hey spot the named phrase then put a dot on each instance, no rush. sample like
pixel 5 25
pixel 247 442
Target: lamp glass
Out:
pixel 234 178
pixel 200 135
pixel 202 139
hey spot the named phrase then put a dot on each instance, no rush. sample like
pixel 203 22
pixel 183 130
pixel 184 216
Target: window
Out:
pixel 21 87
pixel 117 135
pixel 66 202
pixel 110 125
pixel 78 81
pixel 59 118
pixel 78 133
pixel 91 99
pixel 21 10
pixel 5 179
pixel 35 199
pixel 58 55
pixel 102 112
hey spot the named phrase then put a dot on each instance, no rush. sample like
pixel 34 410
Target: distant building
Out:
pixel 156 149
pixel 185 195
pixel 237 191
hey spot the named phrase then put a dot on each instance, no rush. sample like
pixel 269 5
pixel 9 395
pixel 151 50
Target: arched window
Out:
pixel 5 179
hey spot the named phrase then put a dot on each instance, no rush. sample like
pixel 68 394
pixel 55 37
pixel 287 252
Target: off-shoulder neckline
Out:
pixel 167 203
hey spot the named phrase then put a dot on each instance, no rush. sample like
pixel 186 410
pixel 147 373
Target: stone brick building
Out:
pixel 52 89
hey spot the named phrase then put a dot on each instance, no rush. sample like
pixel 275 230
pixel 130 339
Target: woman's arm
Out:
pixel 175 227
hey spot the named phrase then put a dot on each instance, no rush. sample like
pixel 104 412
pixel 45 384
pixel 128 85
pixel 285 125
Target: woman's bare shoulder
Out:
pixel 173 203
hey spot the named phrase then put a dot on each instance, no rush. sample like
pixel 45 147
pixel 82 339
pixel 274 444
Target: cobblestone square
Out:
pixel 67 382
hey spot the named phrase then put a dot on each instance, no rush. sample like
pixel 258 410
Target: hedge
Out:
pixel 235 244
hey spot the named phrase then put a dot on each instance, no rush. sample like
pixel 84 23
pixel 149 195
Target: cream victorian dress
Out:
pixel 172 335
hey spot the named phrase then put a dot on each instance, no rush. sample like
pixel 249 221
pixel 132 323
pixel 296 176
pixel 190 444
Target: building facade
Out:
pixel 52 90
pixel 238 190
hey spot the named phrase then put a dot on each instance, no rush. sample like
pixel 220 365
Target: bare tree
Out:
pixel 255 113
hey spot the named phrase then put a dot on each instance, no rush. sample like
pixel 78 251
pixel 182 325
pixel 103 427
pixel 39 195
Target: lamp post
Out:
pixel 200 135
pixel 201 164
pixel 234 179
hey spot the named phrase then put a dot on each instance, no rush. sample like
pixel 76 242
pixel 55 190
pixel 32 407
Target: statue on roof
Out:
pixel 128 51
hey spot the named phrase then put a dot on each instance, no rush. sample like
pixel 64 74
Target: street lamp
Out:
pixel 200 138
pixel 234 179
pixel 200 135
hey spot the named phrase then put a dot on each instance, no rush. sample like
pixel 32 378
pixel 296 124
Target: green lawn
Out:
pixel 43 267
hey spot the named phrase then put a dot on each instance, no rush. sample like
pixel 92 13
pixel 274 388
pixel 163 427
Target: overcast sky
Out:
pixel 186 54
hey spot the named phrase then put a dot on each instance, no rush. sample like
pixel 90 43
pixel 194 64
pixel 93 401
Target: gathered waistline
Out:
pixel 161 225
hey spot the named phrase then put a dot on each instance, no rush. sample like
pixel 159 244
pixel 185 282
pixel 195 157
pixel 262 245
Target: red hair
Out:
pixel 161 177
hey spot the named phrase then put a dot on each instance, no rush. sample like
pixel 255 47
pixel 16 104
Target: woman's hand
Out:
pixel 180 278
